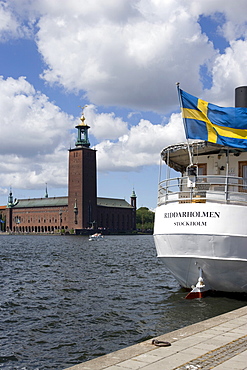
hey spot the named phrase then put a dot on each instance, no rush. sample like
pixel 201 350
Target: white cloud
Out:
pixel 3 191
pixel 127 53
pixel 132 114
pixel 34 136
pixel 228 72
pixel 30 124
pixel 117 53
pixel 131 52
pixel 8 24
pixel 104 125
pixel 234 13
pixel 141 146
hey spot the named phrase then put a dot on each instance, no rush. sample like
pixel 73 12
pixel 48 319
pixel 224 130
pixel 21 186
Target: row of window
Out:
pixel 19 219
pixel 38 229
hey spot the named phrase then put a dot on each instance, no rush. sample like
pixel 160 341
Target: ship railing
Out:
pixel 204 188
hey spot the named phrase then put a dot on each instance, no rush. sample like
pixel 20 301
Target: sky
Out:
pixel 121 59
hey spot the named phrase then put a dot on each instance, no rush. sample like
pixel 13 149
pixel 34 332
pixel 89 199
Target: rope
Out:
pixel 160 343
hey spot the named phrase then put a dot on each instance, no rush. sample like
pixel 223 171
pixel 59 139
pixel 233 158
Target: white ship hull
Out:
pixel 209 236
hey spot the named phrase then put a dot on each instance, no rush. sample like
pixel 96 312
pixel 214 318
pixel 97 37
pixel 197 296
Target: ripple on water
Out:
pixel 61 294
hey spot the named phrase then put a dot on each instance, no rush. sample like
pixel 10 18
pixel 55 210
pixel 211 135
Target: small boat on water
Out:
pixel 96 236
pixel 200 231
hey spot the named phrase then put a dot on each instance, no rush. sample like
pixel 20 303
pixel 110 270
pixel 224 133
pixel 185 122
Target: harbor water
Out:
pixel 65 300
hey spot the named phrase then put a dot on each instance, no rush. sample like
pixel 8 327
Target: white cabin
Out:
pixel 213 173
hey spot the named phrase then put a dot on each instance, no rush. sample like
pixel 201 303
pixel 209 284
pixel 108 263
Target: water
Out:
pixel 65 299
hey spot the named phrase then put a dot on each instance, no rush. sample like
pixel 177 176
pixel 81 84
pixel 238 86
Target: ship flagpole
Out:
pixel 184 122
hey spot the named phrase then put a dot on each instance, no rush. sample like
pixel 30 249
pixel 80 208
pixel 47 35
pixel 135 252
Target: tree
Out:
pixel 144 219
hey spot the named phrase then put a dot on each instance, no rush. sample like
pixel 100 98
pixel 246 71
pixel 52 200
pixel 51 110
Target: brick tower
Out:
pixel 133 204
pixel 82 197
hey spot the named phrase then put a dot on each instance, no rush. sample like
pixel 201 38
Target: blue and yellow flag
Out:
pixel 206 121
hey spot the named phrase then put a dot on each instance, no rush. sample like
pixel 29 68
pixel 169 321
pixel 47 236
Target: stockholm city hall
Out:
pixel 80 211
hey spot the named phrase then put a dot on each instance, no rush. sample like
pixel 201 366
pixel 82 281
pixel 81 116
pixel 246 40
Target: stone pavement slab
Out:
pixel 218 343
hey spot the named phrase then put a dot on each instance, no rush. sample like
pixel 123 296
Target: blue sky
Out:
pixel 122 59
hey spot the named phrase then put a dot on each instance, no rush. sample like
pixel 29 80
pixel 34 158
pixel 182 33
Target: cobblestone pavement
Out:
pixel 217 356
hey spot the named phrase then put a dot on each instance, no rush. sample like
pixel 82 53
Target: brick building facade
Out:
pixel 81 210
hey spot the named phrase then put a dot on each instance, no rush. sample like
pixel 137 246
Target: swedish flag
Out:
pixel 206 121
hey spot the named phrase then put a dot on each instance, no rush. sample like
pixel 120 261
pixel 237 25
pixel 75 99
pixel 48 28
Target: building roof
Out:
pixel 63 202
pixel 110 202
pixel 42 202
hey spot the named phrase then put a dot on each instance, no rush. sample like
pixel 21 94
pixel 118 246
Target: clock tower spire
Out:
pixel 82 192
pixel 82 135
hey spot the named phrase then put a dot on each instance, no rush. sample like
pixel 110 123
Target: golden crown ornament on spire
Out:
pixel 82 116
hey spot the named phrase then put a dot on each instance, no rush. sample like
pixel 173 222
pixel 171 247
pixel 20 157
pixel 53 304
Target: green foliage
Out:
pixel 144 219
